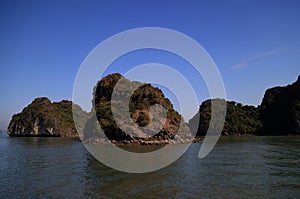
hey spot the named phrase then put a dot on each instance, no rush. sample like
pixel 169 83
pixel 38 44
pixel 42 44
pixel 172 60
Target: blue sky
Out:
pixel 255 44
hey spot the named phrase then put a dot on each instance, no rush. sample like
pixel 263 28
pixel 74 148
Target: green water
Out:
pixel 238 167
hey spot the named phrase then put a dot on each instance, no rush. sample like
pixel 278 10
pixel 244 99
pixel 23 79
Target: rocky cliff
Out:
pixel 140 124
pixel 43 118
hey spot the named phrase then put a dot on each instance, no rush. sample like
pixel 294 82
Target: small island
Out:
pixel 42 118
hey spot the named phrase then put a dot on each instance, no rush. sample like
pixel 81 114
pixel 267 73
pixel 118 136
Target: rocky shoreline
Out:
pixel 143 142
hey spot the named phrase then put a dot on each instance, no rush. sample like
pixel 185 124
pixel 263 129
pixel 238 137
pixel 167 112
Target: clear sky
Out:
pixel 255 44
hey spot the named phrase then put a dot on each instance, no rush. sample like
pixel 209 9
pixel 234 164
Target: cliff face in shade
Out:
pixel 280 110
pixel 134 127
pixel 43 118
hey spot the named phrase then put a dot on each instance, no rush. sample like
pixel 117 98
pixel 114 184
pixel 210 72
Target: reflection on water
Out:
pixel 238 167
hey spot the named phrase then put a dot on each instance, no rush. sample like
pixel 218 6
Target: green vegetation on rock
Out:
pixel 239 119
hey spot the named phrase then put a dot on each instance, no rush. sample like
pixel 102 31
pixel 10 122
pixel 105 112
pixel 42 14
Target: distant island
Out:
pixel 278 114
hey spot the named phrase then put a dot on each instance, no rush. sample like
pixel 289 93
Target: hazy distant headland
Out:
pixel 278 114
